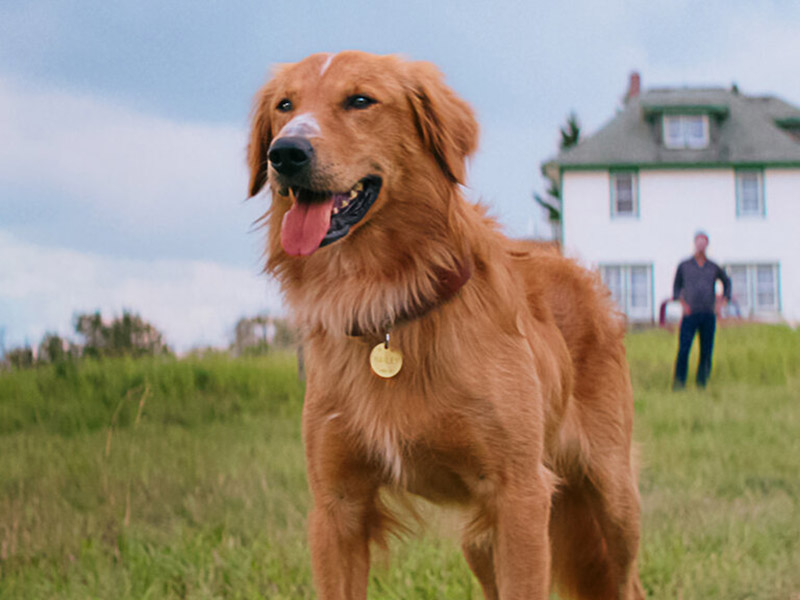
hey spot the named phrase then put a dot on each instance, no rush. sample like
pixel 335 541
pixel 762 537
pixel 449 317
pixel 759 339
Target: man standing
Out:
pixel 695 283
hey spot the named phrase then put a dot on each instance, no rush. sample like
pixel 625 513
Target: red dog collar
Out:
pixel 448 284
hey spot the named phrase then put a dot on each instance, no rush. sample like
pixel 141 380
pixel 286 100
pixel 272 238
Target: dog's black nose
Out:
pixel 290 155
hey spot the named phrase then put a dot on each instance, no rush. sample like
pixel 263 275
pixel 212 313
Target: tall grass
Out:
pixel 150 478
pixel 160 478
pixel 70 398
pixel 721 467
pixel 751 355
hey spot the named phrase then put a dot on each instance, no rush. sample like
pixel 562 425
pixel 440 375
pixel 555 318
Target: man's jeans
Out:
pixel 706 324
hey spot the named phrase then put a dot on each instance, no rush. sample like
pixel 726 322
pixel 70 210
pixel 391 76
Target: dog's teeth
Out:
pixel 357 187
pixel 353 194
pixel 336 211
pixel 345 203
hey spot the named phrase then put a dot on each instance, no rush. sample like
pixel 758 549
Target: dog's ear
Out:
pixel 260 138
pixel 444 121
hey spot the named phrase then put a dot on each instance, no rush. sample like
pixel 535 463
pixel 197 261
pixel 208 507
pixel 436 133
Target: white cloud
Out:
pixel 84 172
pixel 165 184
pixel 752 49
pixel 192 302
pixel 135 166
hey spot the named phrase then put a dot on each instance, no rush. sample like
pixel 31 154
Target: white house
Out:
pixel 676 160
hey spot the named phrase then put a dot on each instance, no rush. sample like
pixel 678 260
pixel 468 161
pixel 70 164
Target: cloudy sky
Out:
pixel 123 127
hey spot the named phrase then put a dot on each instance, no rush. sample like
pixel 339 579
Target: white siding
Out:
pixel 673 205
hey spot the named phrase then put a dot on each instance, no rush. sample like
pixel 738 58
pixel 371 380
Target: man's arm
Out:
pixel 677 286
pixel 726 283
pixel 677 290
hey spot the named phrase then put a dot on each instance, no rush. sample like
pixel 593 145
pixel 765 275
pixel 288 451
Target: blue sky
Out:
pixel 123 127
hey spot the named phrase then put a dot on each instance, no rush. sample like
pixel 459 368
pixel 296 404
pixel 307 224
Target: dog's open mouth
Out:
pixel 317 219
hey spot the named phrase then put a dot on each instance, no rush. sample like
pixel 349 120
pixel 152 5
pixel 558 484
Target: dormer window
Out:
pixel 790 125
pixel 686 131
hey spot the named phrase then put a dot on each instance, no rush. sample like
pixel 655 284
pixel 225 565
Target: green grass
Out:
pixel 185 479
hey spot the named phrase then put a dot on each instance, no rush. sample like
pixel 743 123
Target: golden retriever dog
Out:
pixel 443 359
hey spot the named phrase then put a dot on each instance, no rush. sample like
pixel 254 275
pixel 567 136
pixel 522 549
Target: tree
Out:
pixel 570 133
pixel 20 358
pixel 128 334
pixel 251 336
pixel 256 335
pixel 90 326
pixel 551 203
pixel 53 348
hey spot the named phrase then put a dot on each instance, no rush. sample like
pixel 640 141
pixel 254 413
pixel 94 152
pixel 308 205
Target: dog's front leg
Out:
pixel 339 551
pixel 344 516
pixel 522 549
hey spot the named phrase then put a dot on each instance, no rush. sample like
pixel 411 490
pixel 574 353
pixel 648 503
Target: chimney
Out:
pixel 634 87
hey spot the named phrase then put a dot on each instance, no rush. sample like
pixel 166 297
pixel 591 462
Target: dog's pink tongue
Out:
pixel 304 226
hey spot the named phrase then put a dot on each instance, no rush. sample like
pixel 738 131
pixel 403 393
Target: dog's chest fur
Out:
pixel 427 433
pixel 410 453
pixel 389 452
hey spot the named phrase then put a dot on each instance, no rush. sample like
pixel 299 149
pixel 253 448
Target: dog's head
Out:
pixel 339 136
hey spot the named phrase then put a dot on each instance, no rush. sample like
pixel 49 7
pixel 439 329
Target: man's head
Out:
pixel 700 242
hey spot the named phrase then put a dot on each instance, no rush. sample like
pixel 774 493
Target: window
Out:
pixel 740 288
pixel 766 292
pixel 686 131
pixel 624 192
pixel 612 277
pixel 754 288
pixel 750 193
pixel 639 289
pixel 631 289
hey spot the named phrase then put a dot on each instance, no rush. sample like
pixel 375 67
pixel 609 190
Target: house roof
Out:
pixel 746 132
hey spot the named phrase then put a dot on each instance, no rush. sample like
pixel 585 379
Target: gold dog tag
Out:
pixel 385 362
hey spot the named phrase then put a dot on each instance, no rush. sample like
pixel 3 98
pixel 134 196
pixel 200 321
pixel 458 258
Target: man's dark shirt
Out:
pixel 696 285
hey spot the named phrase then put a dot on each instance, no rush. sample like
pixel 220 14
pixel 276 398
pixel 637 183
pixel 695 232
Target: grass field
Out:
pixel 185 479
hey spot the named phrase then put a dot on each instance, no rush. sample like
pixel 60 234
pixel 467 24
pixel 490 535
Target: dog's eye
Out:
pixel 359 101
pixel 285 105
